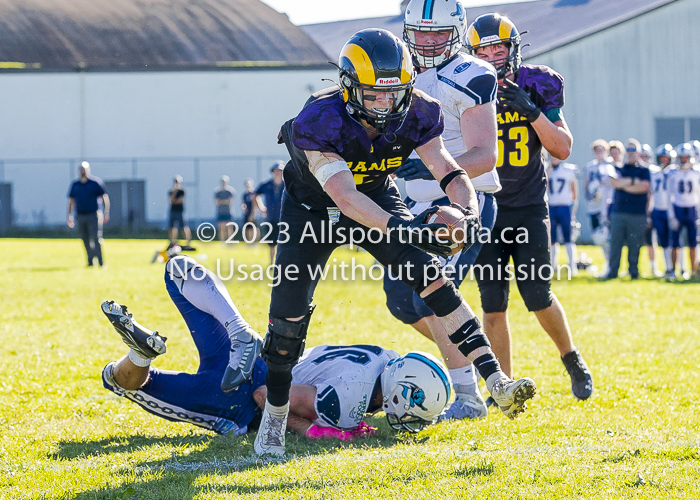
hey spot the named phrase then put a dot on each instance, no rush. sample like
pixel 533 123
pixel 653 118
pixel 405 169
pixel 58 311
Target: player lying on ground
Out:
pixel 334 386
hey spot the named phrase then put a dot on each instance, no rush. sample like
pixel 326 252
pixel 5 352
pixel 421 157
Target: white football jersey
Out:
pixel 684 187
pixel 601 172
pixel 659 192
pixel 559 189
pixel 461 84
pixel 344 377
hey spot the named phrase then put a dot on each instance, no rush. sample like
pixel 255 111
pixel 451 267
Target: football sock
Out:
pixel 279 412
pixel 571 253
pixel 464 380
pixel 278 386
pixel 555 256
pixel 668 256
pixel 209 294
pixel 138 360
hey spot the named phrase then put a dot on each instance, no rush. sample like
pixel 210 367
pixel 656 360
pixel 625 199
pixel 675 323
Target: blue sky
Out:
pixel 321 11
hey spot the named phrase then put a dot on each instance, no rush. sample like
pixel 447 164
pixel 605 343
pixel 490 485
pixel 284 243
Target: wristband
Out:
pixel 449 177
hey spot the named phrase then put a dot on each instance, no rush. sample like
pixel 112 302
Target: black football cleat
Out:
pixel 581 378
pixel 142 340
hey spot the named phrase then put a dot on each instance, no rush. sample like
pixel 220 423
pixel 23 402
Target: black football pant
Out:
pixel 90 231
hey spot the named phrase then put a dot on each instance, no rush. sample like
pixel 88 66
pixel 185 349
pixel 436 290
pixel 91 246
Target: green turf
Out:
pixel 64 436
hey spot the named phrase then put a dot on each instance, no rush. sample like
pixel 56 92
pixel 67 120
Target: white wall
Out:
pixel 619 80
pixel 138 115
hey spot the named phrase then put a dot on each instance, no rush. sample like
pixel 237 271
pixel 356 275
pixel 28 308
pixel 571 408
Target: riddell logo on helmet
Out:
pixel 388 81
pixel 490 38
pixel 427 21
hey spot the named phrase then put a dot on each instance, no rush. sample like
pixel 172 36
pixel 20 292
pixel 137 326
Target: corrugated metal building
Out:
pixel 145 89
pixel 631 67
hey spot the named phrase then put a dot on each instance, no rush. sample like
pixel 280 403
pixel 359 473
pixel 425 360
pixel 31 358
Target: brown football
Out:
pixel 454 219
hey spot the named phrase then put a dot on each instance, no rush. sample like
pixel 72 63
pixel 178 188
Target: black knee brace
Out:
pixel 288 337
pixel 444 300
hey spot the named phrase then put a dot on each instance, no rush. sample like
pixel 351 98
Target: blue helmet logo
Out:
pixel 459 12
pixel 417 396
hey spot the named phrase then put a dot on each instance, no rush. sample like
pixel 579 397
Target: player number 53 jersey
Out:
pixel 520 166
pixel 344 377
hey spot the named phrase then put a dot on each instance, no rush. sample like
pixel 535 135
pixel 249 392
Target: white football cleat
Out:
pixel 465 406
pixel 511 395
pixel 270 437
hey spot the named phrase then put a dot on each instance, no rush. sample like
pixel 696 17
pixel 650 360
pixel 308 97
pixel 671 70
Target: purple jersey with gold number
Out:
pixel 324 125
pixel 520 165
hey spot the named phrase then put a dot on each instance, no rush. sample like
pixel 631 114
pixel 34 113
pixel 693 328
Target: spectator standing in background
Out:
pixel 272 192
pixel 646 159
pixel 562 193
pixel 85 197
pixel 616 149
pixel 665 154
pixel 628 217
pixel 248 208
pixel 176 219
pixel 683 187
pixel 223 197
pixel 599 193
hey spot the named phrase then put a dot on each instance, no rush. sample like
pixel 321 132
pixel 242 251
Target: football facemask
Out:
pixel 494 29
pixel 446 21
pixel 415 388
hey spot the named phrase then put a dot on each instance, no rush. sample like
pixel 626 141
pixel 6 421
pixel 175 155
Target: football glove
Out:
pixel 419 234
pixel 472 225
pixel 412 170
pixel 519 100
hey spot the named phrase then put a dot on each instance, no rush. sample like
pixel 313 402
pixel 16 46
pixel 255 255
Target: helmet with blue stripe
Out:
pixel 665 151
pixel 686 154
pixel 445 19
pixel 416 387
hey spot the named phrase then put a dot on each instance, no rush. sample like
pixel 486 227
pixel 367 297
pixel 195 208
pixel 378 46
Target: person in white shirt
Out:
pixel 646 159
pixel 562 193
pixel 599 194
pixel 658 208
pixel 684 196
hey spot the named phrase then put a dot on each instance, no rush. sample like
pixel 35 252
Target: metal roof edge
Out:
pixel 600 28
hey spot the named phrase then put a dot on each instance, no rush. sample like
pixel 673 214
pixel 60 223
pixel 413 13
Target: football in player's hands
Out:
pixel 461 226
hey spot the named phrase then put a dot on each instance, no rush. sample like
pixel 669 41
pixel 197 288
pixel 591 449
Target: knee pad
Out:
pixel 494 298
pixel 431 274
pixel 444 300
pixel 536 295
pixel 178 269
pixel 284 343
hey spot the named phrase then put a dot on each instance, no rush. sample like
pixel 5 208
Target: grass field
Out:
pixel 64 437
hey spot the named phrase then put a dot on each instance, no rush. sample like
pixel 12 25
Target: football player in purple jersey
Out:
pixel 529 117
pixel 344 145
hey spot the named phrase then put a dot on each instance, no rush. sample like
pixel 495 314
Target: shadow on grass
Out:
pixel 177 475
